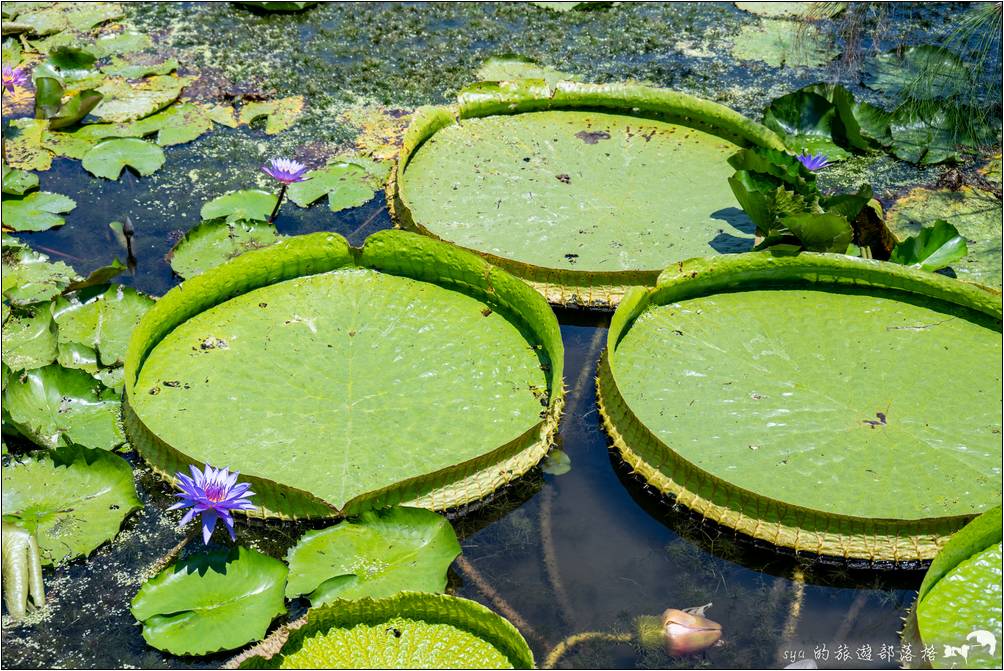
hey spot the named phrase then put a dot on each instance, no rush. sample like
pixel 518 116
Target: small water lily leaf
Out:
pixel 78 356
pixel 177 124
pixel 54 406
pixel 959 603
pixel 225 115
pixel 28 277
pixel 781 42
pixel 73 499
pixel 11 52
pixel 103 322
pixel 29 337
pixel 65 16
pixel 38 211
pixel 213 242
pixel 347 184
pixel 381 129
pixel 18 182
pixel 211 601
pixel 24 145
pixel 806 121
pixel 120 43
pixel 108 158
pixel 933 248
pixel 280 114
pixel 250 204
pixel 557 463
pixel 377 555
pixel 124 101
pixel 924 72
pixel 113 378
pixel 505 68
pixel 120 67
pixel 71 66
pixel 410 630
pixel 976 214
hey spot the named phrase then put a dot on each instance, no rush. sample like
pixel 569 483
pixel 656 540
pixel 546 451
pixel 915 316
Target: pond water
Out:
pixel 588 550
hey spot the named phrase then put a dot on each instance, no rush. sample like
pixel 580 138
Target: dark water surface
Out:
pixel 586 551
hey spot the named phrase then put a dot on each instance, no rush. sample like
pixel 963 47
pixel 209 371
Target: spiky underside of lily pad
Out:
pixel 622 104
pixel 753 485
pixel 407 261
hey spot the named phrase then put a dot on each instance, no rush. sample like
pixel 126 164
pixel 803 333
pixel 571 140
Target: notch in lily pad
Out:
pixel 347 182
pixel 108 158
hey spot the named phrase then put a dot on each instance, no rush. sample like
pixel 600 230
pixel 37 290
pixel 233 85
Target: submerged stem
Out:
pixel 794 610
pixel 570 642
pixel 500 604
pixel 278 204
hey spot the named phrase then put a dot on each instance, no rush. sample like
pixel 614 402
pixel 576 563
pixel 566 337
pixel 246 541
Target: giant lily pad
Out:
pixel 108 158
pixel 580 202
pixel 959 604
pixel 211 601
pixel 54 406
pixel 339 380
pixel 212 242
pixel 38 211
pixel 975 213
pixel 412 630
pixel 72 499
pixel 378 555
pixel 774 395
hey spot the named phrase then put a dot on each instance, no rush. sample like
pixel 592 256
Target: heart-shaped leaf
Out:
pixel 73 499
pixel 108 158
pixel 380 554
pixel 211 601
pixel 821 232
pixel 28 277
pixel 18 182
pixel 248 205
pixel 346 183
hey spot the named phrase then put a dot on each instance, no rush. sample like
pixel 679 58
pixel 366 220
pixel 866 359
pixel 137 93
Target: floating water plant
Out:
pixel 71 499
pixel 958 608
pixel 211 601
pixel 580 189
pixel 933 248
pixel 377 555
pixel 405 328
pixel 797 435
pixel 408 630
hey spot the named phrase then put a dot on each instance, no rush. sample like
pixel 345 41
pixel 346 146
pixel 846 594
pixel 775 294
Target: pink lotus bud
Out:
pixel 687 633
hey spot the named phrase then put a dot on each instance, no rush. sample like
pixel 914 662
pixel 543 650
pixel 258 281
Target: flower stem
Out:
pixel 559 650
pixel 468 571
pixel 278 204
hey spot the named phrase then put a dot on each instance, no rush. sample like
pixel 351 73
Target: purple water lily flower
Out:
pixel 813 162
pixel 13 77
pixel 214 494
pixel 285 171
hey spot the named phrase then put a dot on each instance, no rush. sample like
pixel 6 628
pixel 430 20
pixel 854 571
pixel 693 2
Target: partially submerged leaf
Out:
pixel 933 248
pixel 24 145
pixel 806 121
pixel 55 406
pixel 38 211
pixel 557 463
pixel 347 183
pixel 249 204
pixel 922 72
pixel 211 601
pixel 377 555
pixel 28 277
pixel 69 16
pixel 120 43
pixel 502 68
pixel 125 101
pixel 213 242
pixel 122 68
pixel 18 182
pixel 108 158
pixel 98 276
pixel 780 42
pixel 73 499
pixel 280 114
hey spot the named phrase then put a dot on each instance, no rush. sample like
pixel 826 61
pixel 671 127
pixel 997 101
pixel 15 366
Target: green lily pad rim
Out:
pixel 432 608
pixel 983 532
pixel 564 286
pixel 815 532
pixel 395 253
